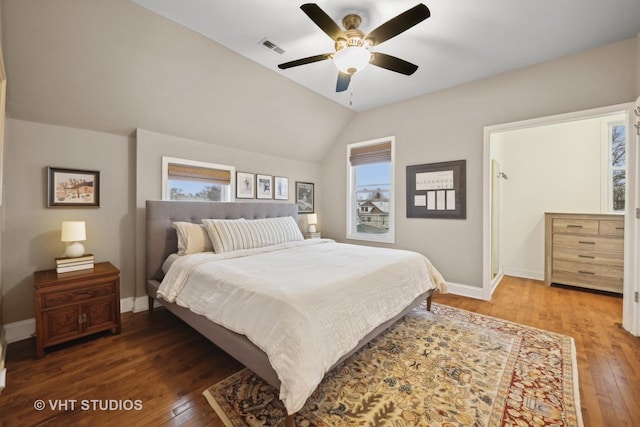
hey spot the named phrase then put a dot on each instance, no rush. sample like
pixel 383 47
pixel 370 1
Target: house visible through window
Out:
pixel 617 165
pixel 370 209
pixel 192 180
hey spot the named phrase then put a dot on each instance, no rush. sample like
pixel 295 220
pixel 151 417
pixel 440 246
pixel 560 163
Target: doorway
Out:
pixel 539 178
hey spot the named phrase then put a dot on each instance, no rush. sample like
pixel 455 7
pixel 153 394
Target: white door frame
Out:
pixel 630 316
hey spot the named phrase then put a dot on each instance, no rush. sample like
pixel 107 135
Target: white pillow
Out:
pixel 192 238
pixel 234 234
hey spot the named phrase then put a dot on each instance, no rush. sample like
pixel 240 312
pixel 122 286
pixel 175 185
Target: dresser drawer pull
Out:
pixel 619 228
pixel 586 256
pixel 586 243
pixel 574 226
pixel 586 272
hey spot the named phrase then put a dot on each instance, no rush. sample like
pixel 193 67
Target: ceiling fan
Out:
pixel 352 45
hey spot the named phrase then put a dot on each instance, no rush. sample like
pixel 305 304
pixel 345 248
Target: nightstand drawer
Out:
pixel 77 295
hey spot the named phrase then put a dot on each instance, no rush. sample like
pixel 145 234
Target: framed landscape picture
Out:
pixel 304 197
pixel 72 187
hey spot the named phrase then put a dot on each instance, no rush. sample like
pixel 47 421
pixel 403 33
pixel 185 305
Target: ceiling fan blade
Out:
pixel 392 63
pixel 304 61
pixel 400 23
pixel 323 21
pixel 343 81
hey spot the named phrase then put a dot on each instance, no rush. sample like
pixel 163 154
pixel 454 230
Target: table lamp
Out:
pixel 312 220
pixel 73 232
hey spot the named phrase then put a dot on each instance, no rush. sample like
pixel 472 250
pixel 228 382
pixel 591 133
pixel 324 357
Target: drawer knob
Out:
pixel 586 256
pixel 574 226
pixel 584 242
pixel 586 272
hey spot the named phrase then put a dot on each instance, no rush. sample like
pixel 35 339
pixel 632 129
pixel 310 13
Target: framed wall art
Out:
pixel 437 190
pixel 72 187
pixel 304 197
pixel 245 185
pixel 281 188
pixel 264 187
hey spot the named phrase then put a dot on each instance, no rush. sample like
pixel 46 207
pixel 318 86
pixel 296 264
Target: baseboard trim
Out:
pixel 526 274
pixel 127 304
pixel 465 290
pixel 3 378
pixel 20 330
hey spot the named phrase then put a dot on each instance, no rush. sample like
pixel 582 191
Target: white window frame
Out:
pixel 352 231
pixel 607 168
pixel 227 193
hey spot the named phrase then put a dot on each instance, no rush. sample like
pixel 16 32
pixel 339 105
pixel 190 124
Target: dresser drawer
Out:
pixel 598 276
pixel 78 295
pixel 614 259
pixel 611 228
pixel 576 226
pixel 588 243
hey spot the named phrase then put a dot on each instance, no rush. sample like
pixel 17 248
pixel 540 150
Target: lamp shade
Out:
pixel 73 231
pixel 312 220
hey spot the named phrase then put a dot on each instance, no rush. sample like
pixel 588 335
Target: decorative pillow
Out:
pixel 192 238
pixel 234 234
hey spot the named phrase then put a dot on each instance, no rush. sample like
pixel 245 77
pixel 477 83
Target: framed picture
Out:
pixel 437 190
pixel 72 187
pixel 281 185
pixel 245 185
pixel 264 187
pixel 304 197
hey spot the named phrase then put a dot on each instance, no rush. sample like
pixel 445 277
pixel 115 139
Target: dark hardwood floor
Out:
pixel 165 365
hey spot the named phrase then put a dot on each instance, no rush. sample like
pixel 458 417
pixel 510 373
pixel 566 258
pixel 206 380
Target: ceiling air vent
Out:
pixel 268 44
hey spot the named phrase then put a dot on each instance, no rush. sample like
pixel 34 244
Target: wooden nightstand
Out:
pixel 310 235
pixel 76 304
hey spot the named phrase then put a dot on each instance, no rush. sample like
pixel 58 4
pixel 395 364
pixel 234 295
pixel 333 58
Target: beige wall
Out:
pixel 151 146
pixel 113 66
pixel 1 194
pixel 448 125
pixel 32 231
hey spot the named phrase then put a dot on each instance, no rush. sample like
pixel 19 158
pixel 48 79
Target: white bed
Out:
pixel 305 304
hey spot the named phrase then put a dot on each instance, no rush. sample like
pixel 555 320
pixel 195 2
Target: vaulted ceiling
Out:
pixel 115 65
pixel 462 40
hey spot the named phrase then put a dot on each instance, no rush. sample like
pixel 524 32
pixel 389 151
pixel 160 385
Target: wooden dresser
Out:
pixel 585 250
pixel 76 304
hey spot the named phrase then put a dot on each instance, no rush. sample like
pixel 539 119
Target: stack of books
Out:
pixel 66 265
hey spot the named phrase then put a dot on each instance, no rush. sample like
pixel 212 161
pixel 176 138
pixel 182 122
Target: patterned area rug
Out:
pixel 447 367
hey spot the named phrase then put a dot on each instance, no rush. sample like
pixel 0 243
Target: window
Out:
pixel 191 180
pixel 617 166
pixel 370 191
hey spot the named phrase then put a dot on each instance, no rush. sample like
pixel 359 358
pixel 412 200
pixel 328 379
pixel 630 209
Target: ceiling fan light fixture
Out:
pixel 351 59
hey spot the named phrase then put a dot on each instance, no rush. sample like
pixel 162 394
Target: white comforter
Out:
pixel 305 304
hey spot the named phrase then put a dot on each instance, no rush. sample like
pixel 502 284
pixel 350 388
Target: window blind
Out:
pixel 197 173
pixel 366 154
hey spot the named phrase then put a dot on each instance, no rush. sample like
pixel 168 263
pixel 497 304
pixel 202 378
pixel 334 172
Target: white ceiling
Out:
pixel 462 41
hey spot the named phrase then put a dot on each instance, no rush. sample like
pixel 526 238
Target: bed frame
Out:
pixel 161 241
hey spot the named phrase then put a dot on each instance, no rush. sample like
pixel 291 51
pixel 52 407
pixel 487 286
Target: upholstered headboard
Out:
pixel 161 238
